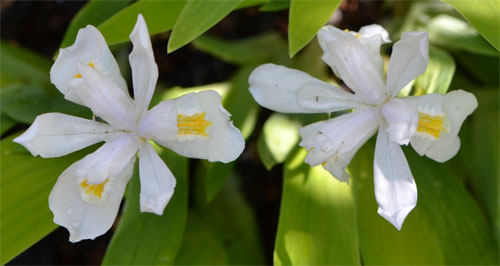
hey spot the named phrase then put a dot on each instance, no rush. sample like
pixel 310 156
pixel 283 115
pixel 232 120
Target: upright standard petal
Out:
pixel 395 189
pixel 288 90
pixel 144 68
pixel 159 123
pixel 157 182
pixel 351 60
pixel 440 120
pixel 409 59
pixel 334 142
pixel 91 49
pixel 372 37
pixel 110 159
pixel 402 120
pixel 204 129
pixel 55 134
pixel 104 98
pixel 87 211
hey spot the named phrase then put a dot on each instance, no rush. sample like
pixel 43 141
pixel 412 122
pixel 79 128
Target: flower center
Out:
pixel 79 76
pixel 94 190
pixel 193 124
pixel 431 125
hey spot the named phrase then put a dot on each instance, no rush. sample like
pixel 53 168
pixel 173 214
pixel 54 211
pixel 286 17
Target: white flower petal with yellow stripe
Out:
pixel 430 123
pixel 87 195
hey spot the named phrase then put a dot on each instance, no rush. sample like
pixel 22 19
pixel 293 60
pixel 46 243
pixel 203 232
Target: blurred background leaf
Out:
pixel 438 75
pixel 147 238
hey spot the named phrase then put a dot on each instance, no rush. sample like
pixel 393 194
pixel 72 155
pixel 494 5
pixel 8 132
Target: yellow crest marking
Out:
pixel 192 124
pixel 432 125
pixel 95 190
pixel 79 76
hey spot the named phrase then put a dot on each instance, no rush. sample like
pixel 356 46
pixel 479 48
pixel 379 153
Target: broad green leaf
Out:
pixel 279 136
pixel 252 50
pixel 160 16
pixel 317 218
pixel 484 69
pixel 211 178
pixel 94 13
pixel 483 15
pixel 146 238
pixel 21 65
pixel 171 93
pixel 223 233
pixel 306 18
pixel 196 18
pixel 446 227
pixel 438 75
pixel 453 33
pixel 275 5
pixel 25 184
pixel 6 123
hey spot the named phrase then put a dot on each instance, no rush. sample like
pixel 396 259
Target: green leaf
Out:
pixel 275 5
pixel 205 14
pixel 438 75
pixel 446 227
pixel 252 50
pixel 26 182
pixel 160 16
pixel 279 136
pixel 316 224
pixel 223 233
pixel 453 33
pixel 94 13
pixel 21 65
pixel 483 15
pixel 212 178
pixel 483 68
pixel 306 18
pixel 6 123
pixel 146 238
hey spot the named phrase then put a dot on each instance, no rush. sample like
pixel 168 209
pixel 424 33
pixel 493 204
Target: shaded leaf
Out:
pixel 483 15
pixel 24 191
pixel 306 18
pixel 205 13
pixel 223 233
pixel 316 225
pixel 275 5
pixel 146 238
pixel 277 139
pixel 21 65
pixel 6 123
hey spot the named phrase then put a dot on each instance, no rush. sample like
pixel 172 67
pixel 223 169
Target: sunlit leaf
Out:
pixel 223 233
pixel 483 15
pixel 439 73
pixel 252 50
pixel 306 18
pixel 317 218
pixel 446 227
pixel 205 14
pixel 25 184
pixel 160 16
pixel 146 238
pixel 453 33
pixel 277 139
pixel 94 13
pixel 275 5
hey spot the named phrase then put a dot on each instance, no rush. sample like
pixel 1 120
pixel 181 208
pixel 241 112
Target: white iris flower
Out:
pixel 430 122
pixel 87 195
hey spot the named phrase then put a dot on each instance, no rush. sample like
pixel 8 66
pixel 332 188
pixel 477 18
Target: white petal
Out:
pixel 104 98
pixel 212 136
pixel 55 134
pixel 409 59
pixel 395 189
pixel 288 90
pixel 372 37
pixel 157 182
pixel 402 120
pixel 159 123
pixel 90 48
pixel 450 110
pixel 92 216
pixel 347 56
pixel 338 137
pixel 144 68
pixel 110 159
